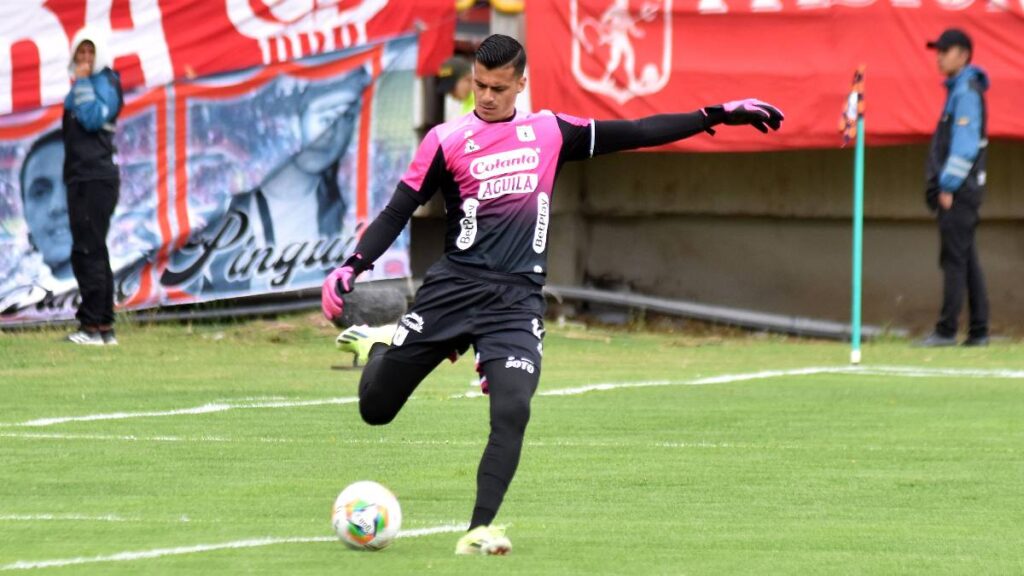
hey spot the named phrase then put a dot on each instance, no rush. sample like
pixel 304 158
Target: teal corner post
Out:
pixel 858 241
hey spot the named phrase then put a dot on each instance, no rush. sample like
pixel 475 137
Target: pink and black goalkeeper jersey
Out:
pixel 497 179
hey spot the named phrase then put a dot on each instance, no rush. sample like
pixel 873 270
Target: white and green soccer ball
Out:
pixel 366 516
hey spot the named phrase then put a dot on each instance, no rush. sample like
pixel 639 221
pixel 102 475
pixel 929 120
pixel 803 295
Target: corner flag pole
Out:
pixel 853 125
pixel 858 241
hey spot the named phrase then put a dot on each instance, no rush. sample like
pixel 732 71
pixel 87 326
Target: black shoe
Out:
pixel 109 338
pixel 936 340
pixel 976 341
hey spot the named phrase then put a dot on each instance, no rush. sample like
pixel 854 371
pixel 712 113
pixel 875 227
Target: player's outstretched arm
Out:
pixel 616 135
pixel 379 235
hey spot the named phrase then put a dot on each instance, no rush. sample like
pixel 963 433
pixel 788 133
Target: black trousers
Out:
pixel 90 207
pixel 961 270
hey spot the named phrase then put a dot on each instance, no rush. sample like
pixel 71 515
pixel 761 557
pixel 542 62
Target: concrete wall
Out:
pixel 799 266
pixel 771 231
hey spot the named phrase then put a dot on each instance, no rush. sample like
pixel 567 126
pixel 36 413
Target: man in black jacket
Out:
pixel 956 184
pixel 92 180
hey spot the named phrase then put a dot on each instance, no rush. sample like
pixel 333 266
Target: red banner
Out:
pixel 613 59
pixel 156 41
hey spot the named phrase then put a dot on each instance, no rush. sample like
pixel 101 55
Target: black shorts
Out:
pixel 500 315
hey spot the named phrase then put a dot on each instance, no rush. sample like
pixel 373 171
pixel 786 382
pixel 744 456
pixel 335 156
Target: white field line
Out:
pixel 916 372
pixel 477 444
pixel 198 548
pixel 204 409
pixel 121 437
pixel 362 442
pixel 250 399
pixel 136 438
pixel 61 517
pixel 723 379
pixel 902 371
pixel 80 518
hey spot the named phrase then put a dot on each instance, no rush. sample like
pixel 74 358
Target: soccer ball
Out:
pixel 366 516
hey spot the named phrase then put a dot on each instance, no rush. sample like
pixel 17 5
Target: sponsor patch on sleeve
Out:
pixel 963 121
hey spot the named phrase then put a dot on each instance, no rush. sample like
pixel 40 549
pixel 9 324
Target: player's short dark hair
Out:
pixel 499 50
pixel 44 140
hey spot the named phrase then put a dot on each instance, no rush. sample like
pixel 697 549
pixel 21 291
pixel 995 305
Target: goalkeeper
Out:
pixel 496 170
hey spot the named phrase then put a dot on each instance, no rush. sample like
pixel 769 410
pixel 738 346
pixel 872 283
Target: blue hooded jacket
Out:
pixel 95 100
pixel 90 113
pixel 957 158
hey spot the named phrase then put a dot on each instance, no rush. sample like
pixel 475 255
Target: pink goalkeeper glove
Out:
pixel 337 283
pixel 754 112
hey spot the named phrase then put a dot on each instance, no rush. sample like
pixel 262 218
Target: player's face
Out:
pixel 46 205
pixel 86 54
pixel 952 60
pixel 327 126
pixel 496 91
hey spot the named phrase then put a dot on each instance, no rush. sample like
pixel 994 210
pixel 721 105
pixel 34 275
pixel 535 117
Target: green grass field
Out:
pixel 883 471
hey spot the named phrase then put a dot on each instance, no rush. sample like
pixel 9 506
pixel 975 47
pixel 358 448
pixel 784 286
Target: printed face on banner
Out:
pixel 44 204
pixel 625 50
pixel 288 143
pixel 36 280
pixel 328 115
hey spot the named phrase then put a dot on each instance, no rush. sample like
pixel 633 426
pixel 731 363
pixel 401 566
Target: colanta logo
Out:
pixel 504 163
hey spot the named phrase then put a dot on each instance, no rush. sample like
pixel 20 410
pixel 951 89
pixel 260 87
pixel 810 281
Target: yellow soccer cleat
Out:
pixel 484 541
pixel 359 339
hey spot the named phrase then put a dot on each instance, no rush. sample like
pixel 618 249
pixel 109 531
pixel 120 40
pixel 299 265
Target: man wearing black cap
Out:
pixel 455 79
pixel 955 186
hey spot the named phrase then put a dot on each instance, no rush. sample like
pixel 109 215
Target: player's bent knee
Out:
pixel 375 415
pixel 372 403
pixel 385 387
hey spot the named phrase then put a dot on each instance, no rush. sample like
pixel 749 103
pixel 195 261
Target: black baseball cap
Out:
pixel 451 72
pixel 951 37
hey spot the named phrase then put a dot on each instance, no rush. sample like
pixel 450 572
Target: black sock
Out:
pixel 482 517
